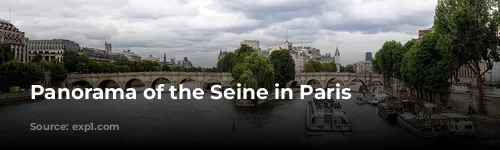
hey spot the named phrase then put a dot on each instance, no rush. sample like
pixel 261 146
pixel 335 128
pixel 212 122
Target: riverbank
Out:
pixel 18 96
pixel 487 127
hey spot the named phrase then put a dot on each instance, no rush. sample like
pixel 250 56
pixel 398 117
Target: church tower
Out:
pixel 337 58
pixel 107 47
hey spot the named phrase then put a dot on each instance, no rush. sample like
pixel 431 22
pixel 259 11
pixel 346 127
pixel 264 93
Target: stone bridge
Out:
pixel 151 79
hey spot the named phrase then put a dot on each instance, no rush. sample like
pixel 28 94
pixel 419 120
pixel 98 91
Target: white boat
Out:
pixel 378 98
pixel 425 128
pixel 460 125
pixel 326 116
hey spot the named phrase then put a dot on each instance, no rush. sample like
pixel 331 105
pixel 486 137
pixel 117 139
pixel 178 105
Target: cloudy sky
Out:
pixel 198 29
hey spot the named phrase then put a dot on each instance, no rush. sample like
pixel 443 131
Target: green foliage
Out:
pixel 6 53
pixel 165 68
pixel 398 56
pixel 226 63
pixel 259 66
pixel 375 64
pixel 243 52
pixel 37 58
pixel 468 33
pixel 251 69
pixel 316 66
pixel 385 58
pixel 57 73
pixel 16 73
pixel 284 66
pixel 349 68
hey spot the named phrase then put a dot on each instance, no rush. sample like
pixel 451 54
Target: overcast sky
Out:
pixel 198 29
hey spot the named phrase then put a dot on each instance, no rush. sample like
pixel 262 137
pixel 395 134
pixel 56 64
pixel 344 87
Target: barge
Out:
pixel 386 110
pixel 326 115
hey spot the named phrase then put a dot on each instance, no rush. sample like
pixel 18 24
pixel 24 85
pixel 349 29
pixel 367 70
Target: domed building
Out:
pixel 11 35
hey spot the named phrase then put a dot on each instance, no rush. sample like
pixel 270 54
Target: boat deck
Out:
pixel 326 116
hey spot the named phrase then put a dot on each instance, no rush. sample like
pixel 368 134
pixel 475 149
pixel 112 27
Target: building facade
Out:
pixel 172 63
pixel 282 46
pixel 493 76
pixel 152 58
pixel 11 35
pixel 421 33
pixel 363 67
pixel 131 55
pixel 299 60
pixel 254 44
pixel 51 49
pixel 368 56
pixel 466 75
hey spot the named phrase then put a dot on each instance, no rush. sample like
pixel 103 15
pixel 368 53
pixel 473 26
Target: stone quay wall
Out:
pixel 463 97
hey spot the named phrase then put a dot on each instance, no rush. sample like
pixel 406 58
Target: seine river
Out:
pixel 194 123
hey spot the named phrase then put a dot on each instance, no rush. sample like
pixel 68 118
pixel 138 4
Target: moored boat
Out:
pixel 386 111
pixel 460 125
pixel 425 128
pixel 325 115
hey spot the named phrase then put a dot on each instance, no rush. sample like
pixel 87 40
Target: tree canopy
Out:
pixel 284 66
pixel 6 53
pixel 468 32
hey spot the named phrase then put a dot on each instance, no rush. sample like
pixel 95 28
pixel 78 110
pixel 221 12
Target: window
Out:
pixel 468 127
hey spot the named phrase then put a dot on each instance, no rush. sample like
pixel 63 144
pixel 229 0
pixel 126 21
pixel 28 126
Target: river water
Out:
pixel 195 123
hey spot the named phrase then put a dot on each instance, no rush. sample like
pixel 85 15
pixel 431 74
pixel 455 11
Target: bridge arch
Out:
pixel 357 80
pixel 108 83
pixel 331 82
pixel 314 83
pixel 210 82
pixel 161 80
pixel 82 83
pixel 134 82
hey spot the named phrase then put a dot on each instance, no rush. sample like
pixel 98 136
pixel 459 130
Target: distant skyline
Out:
pixel 198 29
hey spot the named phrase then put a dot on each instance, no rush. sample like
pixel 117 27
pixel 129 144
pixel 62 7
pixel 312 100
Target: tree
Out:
pixel 165 67
pixel 244 51
pixel 313 66
pixel 17 73
pixel 398 56
pixel 385 60
pixel 284 66
pixel 33 72
pixel 37 58
pixel 254 69
pixel 227 62
pixel 6 53
pixel 376 63
pixel 468 30
pixel 70 60
pixel 57 73
pixel 349 68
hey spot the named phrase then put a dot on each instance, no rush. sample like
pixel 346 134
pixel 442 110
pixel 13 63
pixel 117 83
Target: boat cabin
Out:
pixel 426 110
pixel 460 124
pixel 326 115
pixel 406 106
pixel 381 97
